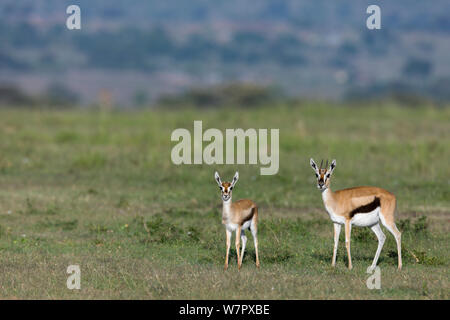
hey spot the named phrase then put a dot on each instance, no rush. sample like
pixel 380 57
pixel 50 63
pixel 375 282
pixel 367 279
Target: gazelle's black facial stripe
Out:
pixel 226 188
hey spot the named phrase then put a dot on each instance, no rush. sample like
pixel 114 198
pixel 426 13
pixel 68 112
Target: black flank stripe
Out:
pixel 366 208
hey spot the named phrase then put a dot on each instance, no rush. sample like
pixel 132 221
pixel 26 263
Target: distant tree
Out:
pixel 9 62
pixel 287 50
pixel 348 49
pixel 140 98
pixel 440 89
pixel 378 43
pixel 248 38
pixel 58 94
pixel 195 48
pixel 10 95
pixel 229 95
pixel 417 67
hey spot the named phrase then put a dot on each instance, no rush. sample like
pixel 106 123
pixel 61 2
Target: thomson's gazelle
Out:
pixel 359 206
pixel 238 216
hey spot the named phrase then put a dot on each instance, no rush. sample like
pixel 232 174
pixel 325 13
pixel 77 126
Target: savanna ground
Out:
pixel 98 189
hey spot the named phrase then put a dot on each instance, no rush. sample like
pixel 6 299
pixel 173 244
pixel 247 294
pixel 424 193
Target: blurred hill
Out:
pixel 139 51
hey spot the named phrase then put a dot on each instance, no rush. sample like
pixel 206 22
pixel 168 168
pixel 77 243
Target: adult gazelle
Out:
pixel 358 206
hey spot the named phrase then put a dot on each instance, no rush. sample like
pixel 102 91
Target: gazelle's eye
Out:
pixel 231 188
pixel 317 175
pixel 328 175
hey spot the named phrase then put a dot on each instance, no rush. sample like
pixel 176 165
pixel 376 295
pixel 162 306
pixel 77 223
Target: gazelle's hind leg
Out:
pixel 387 219
pixel 254 230
pixel 381 238
pixel 238 238
pixel 398 238
pixel 244 242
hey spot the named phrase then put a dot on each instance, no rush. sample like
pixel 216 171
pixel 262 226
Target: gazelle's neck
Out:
pixel 327 195
pixel 226 209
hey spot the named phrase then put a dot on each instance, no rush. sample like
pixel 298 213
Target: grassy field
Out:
pixel 99 190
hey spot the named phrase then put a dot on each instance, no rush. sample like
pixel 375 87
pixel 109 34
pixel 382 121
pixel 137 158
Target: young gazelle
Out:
pixel 359 206
pixel 239 216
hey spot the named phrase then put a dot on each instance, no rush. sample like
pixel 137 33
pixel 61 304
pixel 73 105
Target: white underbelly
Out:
pixel 359 220
pixel 366 219
pixel 233 226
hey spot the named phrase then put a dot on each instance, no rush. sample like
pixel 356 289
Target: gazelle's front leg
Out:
pixel 238 237
pixel 348 230
pixel 228 248
pixel 337 232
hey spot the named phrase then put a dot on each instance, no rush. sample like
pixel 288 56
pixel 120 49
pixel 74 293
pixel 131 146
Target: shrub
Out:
pixel 421 225
pixel 235 94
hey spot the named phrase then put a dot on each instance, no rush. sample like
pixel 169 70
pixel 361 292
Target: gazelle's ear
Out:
pixel 332 166
pixel 313 165
pixel 217 177
pixel 235 179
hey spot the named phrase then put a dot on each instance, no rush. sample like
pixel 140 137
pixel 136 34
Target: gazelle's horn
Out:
pixel 321 163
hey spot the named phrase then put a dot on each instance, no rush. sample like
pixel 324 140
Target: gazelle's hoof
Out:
pixel 257 265
pixel 225 268
pixel 350 267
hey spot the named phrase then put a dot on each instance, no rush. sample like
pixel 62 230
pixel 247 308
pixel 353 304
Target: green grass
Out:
pixel 99 190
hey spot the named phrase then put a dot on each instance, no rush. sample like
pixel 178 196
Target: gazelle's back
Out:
pixel 363 200
pixel 363 191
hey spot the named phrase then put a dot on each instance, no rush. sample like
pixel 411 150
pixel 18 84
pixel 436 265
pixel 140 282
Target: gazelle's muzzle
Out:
pixel 320 185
